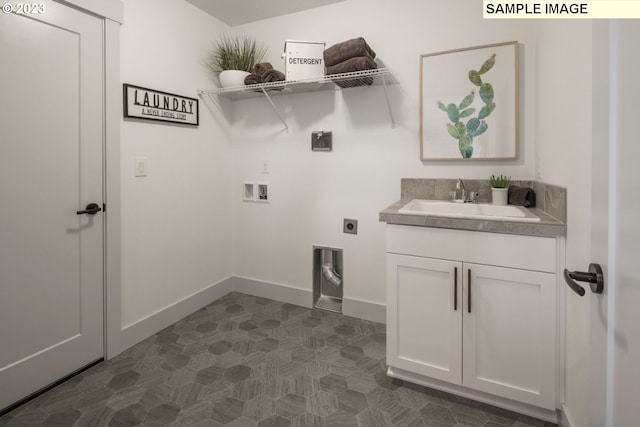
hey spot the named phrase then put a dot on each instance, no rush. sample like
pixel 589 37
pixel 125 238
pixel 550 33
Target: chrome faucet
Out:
pixel 463 197
pixel 460 186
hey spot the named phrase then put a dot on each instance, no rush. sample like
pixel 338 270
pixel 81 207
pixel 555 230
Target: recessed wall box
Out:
pixel 328 283
pixel 248 191
pixel 263 192
pixel 321 141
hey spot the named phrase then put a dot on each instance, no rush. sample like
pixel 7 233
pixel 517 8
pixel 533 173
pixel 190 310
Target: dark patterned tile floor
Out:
pixel 249 361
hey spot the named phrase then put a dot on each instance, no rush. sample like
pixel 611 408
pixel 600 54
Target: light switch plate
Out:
pixel 141 166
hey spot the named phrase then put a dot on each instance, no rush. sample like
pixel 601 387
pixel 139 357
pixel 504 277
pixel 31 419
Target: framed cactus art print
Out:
pixel 469 103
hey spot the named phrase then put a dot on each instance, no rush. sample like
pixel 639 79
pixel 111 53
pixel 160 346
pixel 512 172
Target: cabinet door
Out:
pixel 509 335
pixel 423 319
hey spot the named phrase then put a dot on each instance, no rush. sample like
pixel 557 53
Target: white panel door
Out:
pixel 509 333
pixel 424 319
pixel 615 230
pixel 51 259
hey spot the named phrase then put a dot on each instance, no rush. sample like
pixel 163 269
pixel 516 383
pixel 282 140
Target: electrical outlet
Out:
pixel 350 226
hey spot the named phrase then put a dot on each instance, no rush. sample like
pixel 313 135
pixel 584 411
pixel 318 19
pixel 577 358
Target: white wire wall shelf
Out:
pixel 376 77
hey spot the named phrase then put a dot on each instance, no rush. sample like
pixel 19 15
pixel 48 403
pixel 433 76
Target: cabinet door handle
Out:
pixel 455 288
pixel 469 290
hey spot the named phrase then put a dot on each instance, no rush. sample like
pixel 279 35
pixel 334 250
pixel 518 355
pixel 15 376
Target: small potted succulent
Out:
pixel 234 58
pixel 499 189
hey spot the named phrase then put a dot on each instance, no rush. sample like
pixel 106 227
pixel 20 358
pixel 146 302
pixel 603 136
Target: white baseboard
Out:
pixel 366 310
pixel 361 309
pixel 275 291
pixel 566 420
pixel 144 328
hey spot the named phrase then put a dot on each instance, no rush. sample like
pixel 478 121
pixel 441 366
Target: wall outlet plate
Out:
pixel 321 141
pixel 350 226
pixel 265 167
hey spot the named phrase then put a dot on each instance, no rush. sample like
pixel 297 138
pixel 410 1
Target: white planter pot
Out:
pixel 232 78
pixel 499 196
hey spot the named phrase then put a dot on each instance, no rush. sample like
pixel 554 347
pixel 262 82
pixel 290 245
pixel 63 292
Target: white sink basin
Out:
pixel 483 211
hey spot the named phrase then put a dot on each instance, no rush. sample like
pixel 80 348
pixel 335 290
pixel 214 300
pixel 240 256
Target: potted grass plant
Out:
pixel 234 57
pixel 499 189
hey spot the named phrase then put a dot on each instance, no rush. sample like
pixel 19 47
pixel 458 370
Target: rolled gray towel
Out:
pixel 262 68
pixel 253 79
pixel 522 196
pixel 360 63
pixel 351 48
pixel 273 76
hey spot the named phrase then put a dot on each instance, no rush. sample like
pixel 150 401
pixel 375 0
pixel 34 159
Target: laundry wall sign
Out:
pixel 149 104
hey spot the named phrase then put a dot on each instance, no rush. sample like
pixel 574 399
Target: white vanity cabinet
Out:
pixel 473 313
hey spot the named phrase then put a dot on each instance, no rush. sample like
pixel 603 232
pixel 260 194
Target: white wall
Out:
pixel 563 150
pixel 176 222
pixel 176 238
pixel 312 192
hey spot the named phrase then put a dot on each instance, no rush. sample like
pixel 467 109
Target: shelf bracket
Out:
pixel 275 109
pixel 386 96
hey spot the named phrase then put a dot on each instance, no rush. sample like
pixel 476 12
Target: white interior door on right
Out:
pixel 615 233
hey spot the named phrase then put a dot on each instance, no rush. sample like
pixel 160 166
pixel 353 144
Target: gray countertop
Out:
pixel 547 227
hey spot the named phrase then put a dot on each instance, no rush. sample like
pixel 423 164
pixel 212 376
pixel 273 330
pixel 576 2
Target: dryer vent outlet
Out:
pixel 328 278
